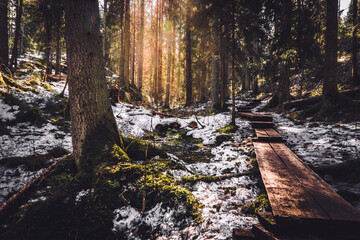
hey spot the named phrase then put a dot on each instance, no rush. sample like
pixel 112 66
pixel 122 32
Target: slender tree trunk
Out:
pixel 133 47
pixel 160 53
pixel 188 80
pixel 215 67
pixel 355 74
pixel 4 38
pixel 141 47
pixel 14 55
pixel 122 47
pixel 172 64
pixel 92 122
pixel 330 91
pixel 106 44
pixel 168 70
pixel 127 45
pixel 179 82
pixel 300 36
pixel 58 43
pixel 48 40
pixel 233 67
pixel 156 72
pixel 58 52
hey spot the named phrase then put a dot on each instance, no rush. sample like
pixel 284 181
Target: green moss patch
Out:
pixel 260 204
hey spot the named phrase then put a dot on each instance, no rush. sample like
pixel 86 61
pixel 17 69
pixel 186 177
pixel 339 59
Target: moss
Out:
pixel 231 190
pixel 192 179
pixel 260 204
pixel 119 154
pixel 227 129
pixel 138 149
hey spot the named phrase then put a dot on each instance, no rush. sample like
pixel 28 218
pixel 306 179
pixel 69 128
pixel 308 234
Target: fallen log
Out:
pixel 308 101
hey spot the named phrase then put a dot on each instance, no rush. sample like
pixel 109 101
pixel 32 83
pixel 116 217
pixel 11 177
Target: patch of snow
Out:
pixel 7 112
pixel 159 218
pixel 318 143
pixel 13 179
pixel 80 195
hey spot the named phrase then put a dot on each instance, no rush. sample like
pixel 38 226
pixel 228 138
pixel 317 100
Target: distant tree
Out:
pixel 4 41
pixel 188 74
pixel 93 124
pixel 330 91
pixel 14 54
pixel 215 66
pixel 141 47
pixel 355 48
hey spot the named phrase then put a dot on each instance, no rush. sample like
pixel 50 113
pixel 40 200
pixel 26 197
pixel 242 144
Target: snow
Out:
pixel 13 179
pixel 80 195
pixel 318 143
pixel 7 112
pixel 159 217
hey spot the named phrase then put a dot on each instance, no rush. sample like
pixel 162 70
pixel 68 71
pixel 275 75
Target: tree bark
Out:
pixel 133 47
pixel 355 74
pixel 92 122
pixel 14 55
pixel 159 86
pixel 168 70
pixel 215 67
pixel 127 45
pixel 4 41
pixel 330 91
pixel 141 47
pixel 188 80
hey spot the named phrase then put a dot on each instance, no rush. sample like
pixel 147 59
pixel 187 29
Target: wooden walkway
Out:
pixel 298 196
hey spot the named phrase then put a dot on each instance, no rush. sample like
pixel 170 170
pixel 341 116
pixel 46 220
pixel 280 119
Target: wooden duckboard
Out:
pixel 295 191
pixel 267 135
pixel 256 117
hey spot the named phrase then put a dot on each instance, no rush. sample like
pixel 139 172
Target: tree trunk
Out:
pixel 14 55
pixel 160 53
pixel 141 47
pixel 4 41
pixel 215 67
pixel 122 47
pixel 133 47
pixel 330 91
pixel 156 72
pixel 106 44
pixel 48 39
pixel 188 80
pixel 355 74
pixel 92 122
pixel 127 45
pixel 58 43
pixel 168 70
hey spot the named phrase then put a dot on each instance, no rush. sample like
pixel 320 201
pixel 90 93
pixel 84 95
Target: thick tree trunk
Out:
pixel 14 54
pixel 215 67
pixel 355 74
pixel 141 46
pixel 330 91
pixel 93 124
pixel 188 80
pixel 4 41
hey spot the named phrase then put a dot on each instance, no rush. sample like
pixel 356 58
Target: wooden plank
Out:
pixel 262 124
pixel 261 133
pixel 334 205
pixel 255 117
pixel 287 196
pixel 272 133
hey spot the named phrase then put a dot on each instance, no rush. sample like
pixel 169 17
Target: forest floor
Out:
pixel 33 126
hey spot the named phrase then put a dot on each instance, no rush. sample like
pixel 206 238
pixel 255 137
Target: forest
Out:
pixel 179 119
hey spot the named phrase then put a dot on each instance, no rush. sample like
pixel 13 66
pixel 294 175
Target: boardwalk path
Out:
pixel 298 196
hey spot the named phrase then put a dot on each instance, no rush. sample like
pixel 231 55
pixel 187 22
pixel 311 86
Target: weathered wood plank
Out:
pixel 334 205
pixel 255 117
pixel 262 124
pixel 272 133
pixel 287 196
pixel 261 133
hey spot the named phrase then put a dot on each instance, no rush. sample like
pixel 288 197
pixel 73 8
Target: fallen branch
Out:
pixel 14 199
